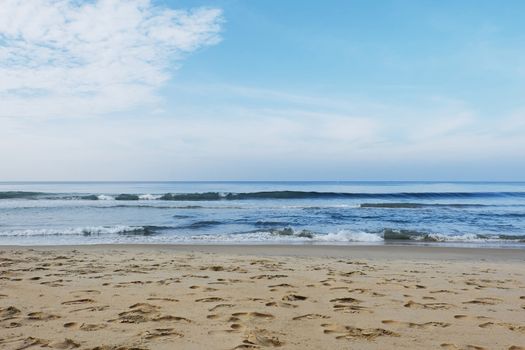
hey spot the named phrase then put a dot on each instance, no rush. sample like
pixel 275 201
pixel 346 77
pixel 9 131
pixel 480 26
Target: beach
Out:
pixel 232 175
pixel 261 296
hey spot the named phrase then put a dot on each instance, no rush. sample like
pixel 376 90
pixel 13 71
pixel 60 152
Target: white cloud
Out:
pixel 255 142
pixel 65 57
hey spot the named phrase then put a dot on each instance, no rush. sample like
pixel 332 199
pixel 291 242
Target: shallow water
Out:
pixel 475 214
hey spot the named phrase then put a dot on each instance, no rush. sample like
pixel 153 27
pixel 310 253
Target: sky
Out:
pixel 262 90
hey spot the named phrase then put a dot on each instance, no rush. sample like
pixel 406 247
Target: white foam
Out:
pixel 468 237
pixel 265 236
pixel 104 197
pixel 149 197
pixel 349 236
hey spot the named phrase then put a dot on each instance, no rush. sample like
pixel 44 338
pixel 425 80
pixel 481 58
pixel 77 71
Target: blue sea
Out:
pixel 473 214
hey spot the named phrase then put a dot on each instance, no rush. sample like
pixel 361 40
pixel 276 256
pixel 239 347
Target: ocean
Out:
pixel 470 214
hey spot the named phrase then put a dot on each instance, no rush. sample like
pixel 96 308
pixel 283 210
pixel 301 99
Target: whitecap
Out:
pixel 104 197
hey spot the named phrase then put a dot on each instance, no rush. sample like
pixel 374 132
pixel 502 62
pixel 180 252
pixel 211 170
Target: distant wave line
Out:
pixel 216 196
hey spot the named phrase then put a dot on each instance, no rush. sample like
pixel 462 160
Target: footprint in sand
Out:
pixel 348 304
pixel 259 337
pixel 327 282
pixel 456 347
pixel 282 285
pixel 196 276
pixel 30 342
pixel 280 304
pixel 348 308
pixel 352 273
pixel 461 317
pixel 310 317
pixel 92 327
pixel 221 306
pixel 352 333
pixel 513 327
pixel 91 308
pixel 171 318
pixel 41 316
pixel 12 325
pixel 163 299
pixel 294 297
pixel 213 268
pixel 78 301
pixel 347 300
pixel 252 315
pixel 209 300
pixel 267 277
pixel 140 312
pixel 8 313
pixel 510 326
pixel 417 325
pixel 443 291
pixel 204 289
pixel 161 332
pixel 416 286
pixel 484 301
pixel 431 306
pixel 275 287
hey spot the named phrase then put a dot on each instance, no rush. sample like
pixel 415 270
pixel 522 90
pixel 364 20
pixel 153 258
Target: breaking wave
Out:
pixel 348 236
pixel 214 196
pixel 283 235
pixel 85 231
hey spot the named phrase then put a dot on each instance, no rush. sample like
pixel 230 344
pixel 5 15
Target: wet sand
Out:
pixel 256 297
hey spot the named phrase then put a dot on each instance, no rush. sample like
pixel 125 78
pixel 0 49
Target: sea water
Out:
pixel 473 214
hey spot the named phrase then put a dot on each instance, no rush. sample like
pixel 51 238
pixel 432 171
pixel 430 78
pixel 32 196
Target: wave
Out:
pixel 148 206
pixel 214 196
pixel 349 236
pixel 283 235
pixel 102 197
pixel 321 195
pixel 86 231
pixel 413 235
pixel 288 234
pixel 19 194
pixel 201 224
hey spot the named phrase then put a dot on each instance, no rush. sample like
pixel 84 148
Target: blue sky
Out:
pixel 262 90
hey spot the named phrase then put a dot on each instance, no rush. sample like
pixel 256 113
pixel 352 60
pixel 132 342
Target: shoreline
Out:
pixel 374 252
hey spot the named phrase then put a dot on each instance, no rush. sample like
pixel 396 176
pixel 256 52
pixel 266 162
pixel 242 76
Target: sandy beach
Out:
pixel 255 297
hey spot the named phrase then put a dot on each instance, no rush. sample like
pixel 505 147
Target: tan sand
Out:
pixel 256 297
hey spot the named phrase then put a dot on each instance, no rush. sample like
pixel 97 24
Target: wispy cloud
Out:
pixel 248 140
pixel 63 57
